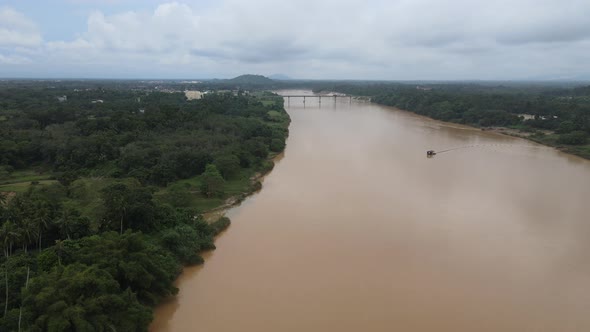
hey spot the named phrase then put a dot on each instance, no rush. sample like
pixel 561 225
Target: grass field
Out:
pixel 186 193
pixel 20 181
pixel 85 194
pixel 20 187
pixel 24 176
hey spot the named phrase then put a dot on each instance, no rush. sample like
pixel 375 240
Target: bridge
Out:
pixel 315 96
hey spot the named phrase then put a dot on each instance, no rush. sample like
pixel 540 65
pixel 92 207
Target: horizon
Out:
pixel 423 81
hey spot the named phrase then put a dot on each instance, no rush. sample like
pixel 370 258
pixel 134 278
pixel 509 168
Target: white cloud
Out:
pixel 383 39
pixel 16 30
pixel 14 59
pixel 170 26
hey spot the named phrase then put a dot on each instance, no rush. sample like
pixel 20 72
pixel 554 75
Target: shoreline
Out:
pixel 218 212
pixel 517 133
pixel 501 131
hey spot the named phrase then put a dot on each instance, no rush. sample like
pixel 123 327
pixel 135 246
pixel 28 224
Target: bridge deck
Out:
pixel 313 96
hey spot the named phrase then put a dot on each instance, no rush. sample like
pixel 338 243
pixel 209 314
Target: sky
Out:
pixel 306 39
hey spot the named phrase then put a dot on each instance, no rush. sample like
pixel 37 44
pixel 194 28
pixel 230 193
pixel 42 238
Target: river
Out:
pixel 357 230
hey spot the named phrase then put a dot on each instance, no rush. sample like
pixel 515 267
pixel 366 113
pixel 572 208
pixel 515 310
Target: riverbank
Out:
pixel 218 212
pixel 216 217
pixel 544 137
pixel 237 191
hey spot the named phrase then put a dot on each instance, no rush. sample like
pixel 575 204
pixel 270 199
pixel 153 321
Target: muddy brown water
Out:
pixel 356 230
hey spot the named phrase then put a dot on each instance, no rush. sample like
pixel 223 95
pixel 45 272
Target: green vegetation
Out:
pixel 556 116
pixel 100 202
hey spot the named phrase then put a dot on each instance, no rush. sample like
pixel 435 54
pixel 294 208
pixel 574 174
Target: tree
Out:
pixel 9 236
pixel 32 209
pixel 82 298
pixel 573 138
pixel 257 147
pixel 566 127
pixel 186 241
pixel 3 199
pixel 59 250
pixel 72 225
pixel 28 231
pixel 132 207
pixel 132 261
pixel 41 219
pixel 212 182
pixel 20 309
pixel 116 200
pixel 277 145
pixel 66 178
pixel 228 165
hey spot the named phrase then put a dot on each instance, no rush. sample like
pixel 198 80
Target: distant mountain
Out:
pixel 251 79
pixel 280 77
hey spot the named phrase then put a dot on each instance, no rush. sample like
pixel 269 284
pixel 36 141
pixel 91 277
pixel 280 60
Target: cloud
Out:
pixel 14 59
pixel 16 30
pixel 171 26
pixel 542 21
pixel 381 39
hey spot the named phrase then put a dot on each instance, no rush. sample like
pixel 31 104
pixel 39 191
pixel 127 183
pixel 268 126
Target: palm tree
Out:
pixel 59 250
pixel 66 223
pixel 28 231
pixel 116 199
pixel 8 236
pixel 41 220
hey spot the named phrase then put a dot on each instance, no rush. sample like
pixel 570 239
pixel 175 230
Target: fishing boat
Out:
pixel 430 153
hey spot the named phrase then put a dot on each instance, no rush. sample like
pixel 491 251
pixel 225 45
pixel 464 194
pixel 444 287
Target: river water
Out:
pixel 356 230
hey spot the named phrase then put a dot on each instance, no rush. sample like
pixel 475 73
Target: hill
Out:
pixel 251 79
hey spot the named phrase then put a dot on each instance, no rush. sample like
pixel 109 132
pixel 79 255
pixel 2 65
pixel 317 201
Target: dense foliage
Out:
pixel 156 138
pixel 91 232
